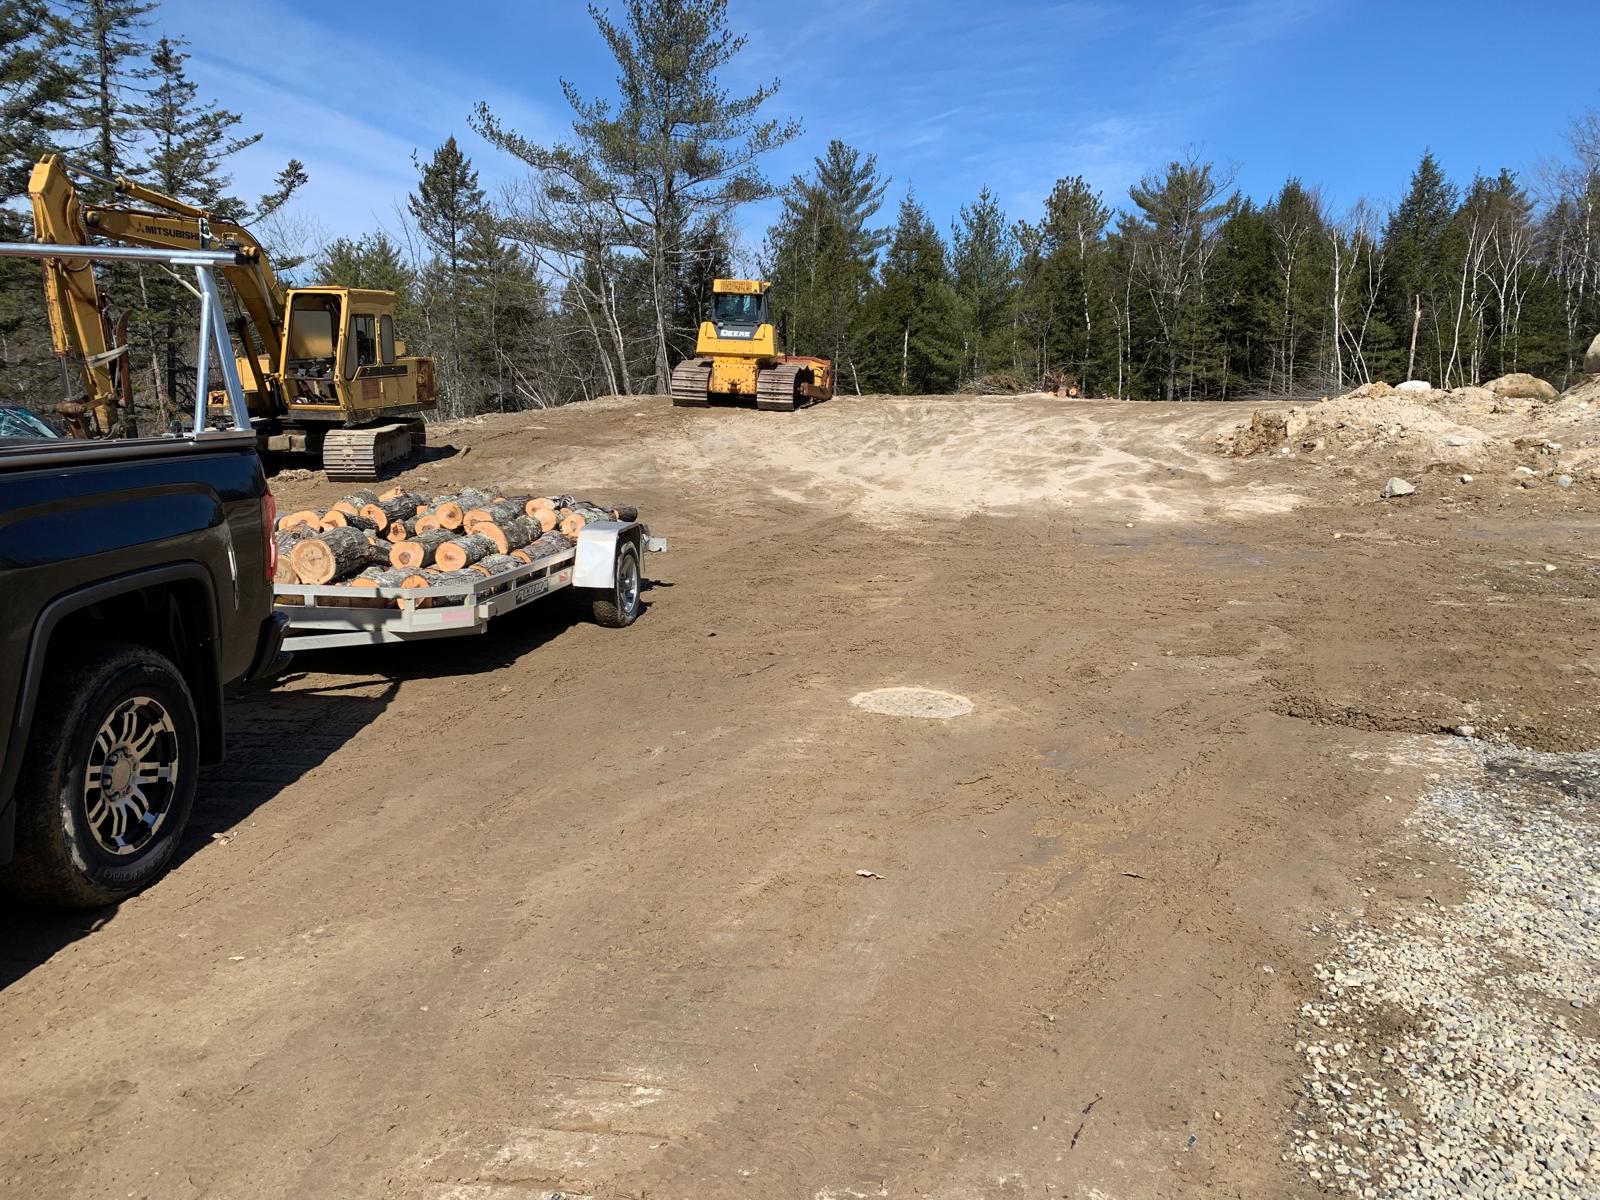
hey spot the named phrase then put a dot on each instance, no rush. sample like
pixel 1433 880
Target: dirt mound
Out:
pixel 1480 427
pixel 1357 423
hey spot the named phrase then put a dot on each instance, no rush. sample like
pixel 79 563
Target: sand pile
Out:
pixel 1514 419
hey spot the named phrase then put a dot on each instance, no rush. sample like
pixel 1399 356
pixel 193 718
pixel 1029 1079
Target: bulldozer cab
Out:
pixel 745 311
pixel 739 308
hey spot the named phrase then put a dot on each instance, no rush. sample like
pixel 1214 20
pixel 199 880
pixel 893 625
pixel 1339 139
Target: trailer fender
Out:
pixel 596 564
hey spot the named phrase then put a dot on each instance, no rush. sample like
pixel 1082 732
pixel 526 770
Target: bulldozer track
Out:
pixel 778 388
pixel 360 455
pixel 690 380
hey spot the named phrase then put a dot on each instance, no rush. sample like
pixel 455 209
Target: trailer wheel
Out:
pixel 108 778
pixel 617 607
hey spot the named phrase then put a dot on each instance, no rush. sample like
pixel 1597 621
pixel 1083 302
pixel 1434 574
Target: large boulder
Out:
pixel 1414 385
pixel 1521 386
pixel 1591 360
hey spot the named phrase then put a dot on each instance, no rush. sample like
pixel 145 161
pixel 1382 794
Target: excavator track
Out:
pixel 691 380
pixel 360 455
pixel 778 388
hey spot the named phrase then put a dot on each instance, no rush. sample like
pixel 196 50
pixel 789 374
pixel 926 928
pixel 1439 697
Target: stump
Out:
pixel 331 554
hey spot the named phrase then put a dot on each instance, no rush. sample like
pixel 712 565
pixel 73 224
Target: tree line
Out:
pixel 591 275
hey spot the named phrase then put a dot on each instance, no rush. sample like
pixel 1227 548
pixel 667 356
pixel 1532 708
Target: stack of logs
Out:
pixel 403 539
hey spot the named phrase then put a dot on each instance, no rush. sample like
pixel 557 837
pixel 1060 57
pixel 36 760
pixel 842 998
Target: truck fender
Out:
pixel 52 615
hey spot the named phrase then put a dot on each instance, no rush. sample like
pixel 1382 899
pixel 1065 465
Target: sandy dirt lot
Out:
pixel 570 910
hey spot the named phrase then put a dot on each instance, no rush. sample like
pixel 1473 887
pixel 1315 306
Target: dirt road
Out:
pixel 563 909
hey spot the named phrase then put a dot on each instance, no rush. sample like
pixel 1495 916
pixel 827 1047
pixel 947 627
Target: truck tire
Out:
pixel 108 778
pixel 618 606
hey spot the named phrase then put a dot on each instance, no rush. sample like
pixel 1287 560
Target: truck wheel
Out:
pixel 108 778
pixel 617 608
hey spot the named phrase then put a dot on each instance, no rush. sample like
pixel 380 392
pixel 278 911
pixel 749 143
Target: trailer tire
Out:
pixel 108 778
pixel 618 606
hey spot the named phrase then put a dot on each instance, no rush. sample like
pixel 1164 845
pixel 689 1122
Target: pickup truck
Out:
pixel 135 588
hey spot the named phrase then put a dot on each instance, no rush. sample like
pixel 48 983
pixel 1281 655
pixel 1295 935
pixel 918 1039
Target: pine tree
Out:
pixel 447 205
pixel 371 261
pixel 1182 213
pixel 1418 276
pixel 674 149
pixel 188 139
pixel 822 251
pixel 506 323
pixel 34 87
pixel 1299 249
pixel 983 263
pixel 108 72
pixel 911 326
pixel 1074 282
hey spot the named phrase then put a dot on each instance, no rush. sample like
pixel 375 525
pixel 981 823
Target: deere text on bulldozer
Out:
pixel 737 358
pixel 322 370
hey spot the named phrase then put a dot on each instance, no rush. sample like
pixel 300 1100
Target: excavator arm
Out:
pixel 72 298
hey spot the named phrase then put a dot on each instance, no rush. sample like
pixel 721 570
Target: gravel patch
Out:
pixel 1452 1050
pixel 924 703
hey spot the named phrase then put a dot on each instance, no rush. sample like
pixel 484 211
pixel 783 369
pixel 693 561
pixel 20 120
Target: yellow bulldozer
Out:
pixel 322 370
pixel 736 357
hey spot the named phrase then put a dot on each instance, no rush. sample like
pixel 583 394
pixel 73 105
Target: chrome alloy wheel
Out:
pixel 131 776
pixel 628 583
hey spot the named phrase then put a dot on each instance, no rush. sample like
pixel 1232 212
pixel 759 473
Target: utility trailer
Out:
pixel 604 562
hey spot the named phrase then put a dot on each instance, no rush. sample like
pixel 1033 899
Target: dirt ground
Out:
pixel 569 910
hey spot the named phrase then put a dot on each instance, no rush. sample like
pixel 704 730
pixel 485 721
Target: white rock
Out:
pixel 1466 479
pixel 1414 385
pixel 1397 487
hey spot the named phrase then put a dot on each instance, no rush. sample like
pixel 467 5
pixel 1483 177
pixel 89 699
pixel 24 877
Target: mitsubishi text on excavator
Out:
pixel 737 358
pixel 322 370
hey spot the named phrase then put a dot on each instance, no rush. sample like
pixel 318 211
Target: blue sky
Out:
pixel 950 95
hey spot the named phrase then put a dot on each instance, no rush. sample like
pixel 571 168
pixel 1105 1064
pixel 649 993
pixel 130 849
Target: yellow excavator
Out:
pixel 322 371
pixel 737 360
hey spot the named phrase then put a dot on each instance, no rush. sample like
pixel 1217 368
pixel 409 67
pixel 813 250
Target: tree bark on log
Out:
pixel 381 512
pixel 440 579
pixel 337 518
pixel 330 555
pixel 495 564
pixel 462 551
pixel 550 543
pixel 510 535
pixel 355 501
pixel 416 552
pixel 497 513
pixel 286 540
